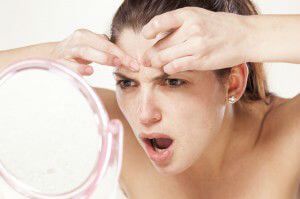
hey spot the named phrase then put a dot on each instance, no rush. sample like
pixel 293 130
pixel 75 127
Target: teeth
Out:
pixel 159 150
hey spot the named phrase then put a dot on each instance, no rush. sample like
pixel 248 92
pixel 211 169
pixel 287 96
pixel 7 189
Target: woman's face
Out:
pixel 187 106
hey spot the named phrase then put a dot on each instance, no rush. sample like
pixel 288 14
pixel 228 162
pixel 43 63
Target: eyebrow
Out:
pixel 163 76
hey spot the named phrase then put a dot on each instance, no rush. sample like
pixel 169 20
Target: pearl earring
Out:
pixel 231 100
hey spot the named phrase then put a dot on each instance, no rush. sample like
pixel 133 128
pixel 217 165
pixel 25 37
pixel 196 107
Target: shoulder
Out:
pixel 135 162
pixel 284 115
pixel 280 133
pixel 109 100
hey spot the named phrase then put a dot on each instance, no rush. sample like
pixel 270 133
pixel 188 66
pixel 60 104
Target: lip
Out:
pixel 159 157
pixel 154 135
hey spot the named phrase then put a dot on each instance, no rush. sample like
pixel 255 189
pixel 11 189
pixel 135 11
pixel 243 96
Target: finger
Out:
pixel 101 42
pixel 81 69
pixel 123 58
pixel 91 55
pixel 178 36
pixel 113 49
pixel 103 35
pixel 170 41
pixel 181 64
pixel 163 57
pixel 162 23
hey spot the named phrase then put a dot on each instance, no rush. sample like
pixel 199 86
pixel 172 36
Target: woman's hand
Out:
pixel 199 40
pixel 84 47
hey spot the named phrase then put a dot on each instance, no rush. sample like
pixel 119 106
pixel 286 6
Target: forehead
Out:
pixel 134 44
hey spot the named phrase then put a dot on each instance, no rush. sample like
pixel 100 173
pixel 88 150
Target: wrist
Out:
pixel 273 38
pixel 255 39
pixel 45 50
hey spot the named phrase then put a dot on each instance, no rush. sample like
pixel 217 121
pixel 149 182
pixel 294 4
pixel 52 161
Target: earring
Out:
pixel 231 100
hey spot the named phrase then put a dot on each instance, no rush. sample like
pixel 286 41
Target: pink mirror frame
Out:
pixel 109 153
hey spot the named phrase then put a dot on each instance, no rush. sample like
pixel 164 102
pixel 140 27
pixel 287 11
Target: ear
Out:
pixel 237 81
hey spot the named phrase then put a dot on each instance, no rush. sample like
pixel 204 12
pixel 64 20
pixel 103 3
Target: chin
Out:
pixel 171 169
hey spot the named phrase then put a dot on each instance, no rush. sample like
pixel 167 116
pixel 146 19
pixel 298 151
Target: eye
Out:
pixel 174 82
pixel 125 83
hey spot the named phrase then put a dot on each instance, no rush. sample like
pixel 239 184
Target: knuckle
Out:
pixel 104 36
pixel 82 51
pixel 105 59
pixel 198 57
pixel 182 12
pixel 105 47
pixel 195 28
pixel 79 33
pixel 161 58
pixel 126 60
pixel 169 15
pixel 193 10
pixel 186 11
pixel 72 52
pixel 197 41
pixel 155 22
pixel 192 61
pixel 158 60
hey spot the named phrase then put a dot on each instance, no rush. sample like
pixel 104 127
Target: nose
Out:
pixel 148 111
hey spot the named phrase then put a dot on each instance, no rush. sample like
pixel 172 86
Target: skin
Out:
pixel 225 146
pixel 204 40
pixel 244 150
pixel 155 105
pixel 268 170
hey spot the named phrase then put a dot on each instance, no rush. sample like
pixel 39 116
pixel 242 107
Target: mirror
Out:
pixel 54 140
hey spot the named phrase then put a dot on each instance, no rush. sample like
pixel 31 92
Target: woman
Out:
pixel 199 120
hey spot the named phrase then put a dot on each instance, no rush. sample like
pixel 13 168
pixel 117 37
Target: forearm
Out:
pixel 274 38
pixel 36 51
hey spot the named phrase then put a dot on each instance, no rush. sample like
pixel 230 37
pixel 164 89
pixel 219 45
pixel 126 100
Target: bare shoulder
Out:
pixel 284 116
pixel 135 161
pixel 109 100
pixel 280 135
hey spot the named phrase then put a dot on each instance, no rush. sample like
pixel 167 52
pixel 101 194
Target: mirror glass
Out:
pixel 49 134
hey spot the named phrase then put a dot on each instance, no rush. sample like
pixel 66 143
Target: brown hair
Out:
pixel 135 14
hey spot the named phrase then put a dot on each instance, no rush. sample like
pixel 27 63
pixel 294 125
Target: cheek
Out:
pixel 198 115
pixel 202 106
pixel 194 116
pixel 128 105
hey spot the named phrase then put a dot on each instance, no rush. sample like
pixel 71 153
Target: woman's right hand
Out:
pixel 84 47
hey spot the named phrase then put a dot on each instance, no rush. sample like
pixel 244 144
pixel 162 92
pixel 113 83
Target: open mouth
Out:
pixel 159 144
pixel 159 147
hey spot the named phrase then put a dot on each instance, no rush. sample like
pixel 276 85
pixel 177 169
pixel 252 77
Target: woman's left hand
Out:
pixel 198 39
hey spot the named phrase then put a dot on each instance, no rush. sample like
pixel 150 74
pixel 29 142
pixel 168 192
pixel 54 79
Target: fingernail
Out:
pixel 117 61
pixel 81 70
pixel 134 65
pixel 89 70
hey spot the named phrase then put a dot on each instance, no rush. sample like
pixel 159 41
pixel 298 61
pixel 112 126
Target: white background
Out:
pixel 34 21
